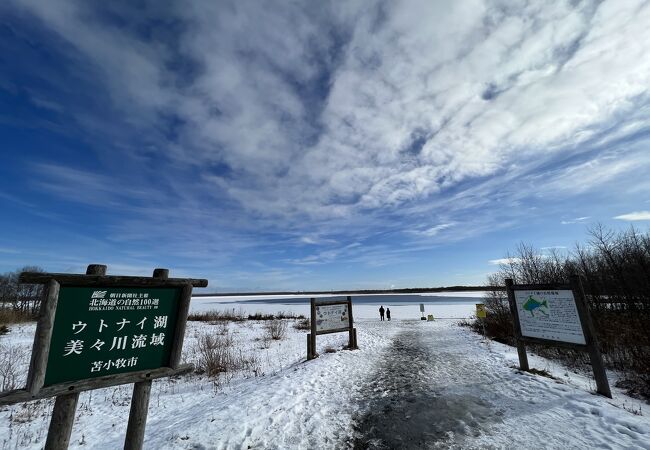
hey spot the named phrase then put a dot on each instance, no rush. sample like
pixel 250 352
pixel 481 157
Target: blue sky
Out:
pixel 318 145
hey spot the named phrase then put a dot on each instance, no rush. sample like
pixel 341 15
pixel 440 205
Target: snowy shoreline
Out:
pixel 402 307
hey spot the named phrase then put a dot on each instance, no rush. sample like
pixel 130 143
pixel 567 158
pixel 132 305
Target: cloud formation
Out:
pixel 338 122
pixel 634 216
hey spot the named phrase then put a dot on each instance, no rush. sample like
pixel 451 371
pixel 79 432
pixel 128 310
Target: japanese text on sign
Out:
pixel 332 317
pixel 103 332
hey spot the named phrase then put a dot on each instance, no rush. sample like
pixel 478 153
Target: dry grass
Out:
pixel 278 315
pixel 12 361
pixel 215 316
pixel 303 325
pixel 217 356
pixel 10 315
pixel 276 329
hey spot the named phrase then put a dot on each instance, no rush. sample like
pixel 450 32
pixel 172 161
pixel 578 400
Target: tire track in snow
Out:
pixel 418 397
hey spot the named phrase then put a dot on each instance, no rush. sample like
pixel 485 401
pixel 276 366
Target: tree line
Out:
pixel 19 301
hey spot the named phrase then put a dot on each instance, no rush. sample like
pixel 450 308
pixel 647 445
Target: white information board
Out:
pixel 549 314
pixel 332 317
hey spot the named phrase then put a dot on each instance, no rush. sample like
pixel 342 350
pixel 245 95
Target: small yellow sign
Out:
pixel 430 317
pixel 480 311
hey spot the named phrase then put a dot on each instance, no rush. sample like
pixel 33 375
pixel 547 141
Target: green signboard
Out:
pixel 105 331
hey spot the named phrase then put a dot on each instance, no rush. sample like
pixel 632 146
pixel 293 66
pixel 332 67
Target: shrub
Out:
pixel 302 324
pixel 278 315
pixel 12 360
pixel 218 358
pixel 24 298
pixel 214 316
pixel 276 329
pixel 9 315
pixel 215 354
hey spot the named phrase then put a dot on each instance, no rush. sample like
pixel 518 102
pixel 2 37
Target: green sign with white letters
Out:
pixel 105 331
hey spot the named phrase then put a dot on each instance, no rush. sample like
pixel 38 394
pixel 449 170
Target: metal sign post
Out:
pixel 481 314
pixel 557 315
pixel 96 331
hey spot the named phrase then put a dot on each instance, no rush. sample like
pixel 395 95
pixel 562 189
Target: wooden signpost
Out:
pixel 96 331
pixel 330 316
pixel 555 315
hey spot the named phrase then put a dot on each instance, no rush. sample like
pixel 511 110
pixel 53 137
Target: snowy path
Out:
pixel 425 392
pixel 439 387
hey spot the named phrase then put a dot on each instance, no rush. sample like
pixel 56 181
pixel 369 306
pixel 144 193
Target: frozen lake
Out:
pixel 402 306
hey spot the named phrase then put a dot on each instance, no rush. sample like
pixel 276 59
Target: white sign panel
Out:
pixel 549 314
pixel 332 317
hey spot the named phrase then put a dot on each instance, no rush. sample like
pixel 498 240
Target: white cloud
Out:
pixel 576 220
pixel 504 261
pixel 637 215
pixel 327 117
pixel 432 231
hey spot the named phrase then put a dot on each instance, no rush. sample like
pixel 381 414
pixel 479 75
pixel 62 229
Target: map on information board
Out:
pixel 332 317
pixel 549 314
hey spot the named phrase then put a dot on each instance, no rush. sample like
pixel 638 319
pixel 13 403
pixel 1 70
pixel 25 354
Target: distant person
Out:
pixel 388 313
pixel 381 312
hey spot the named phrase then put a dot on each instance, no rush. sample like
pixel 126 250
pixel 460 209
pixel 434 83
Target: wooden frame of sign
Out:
pixel 67 392
pixel 573 330
pixel 315 308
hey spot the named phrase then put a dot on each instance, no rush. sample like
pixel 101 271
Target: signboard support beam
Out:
pixel 42 340
pixel 311 351
pixel 65 406
pixel 138 415
pixel 597 364
pixel 521 347
pixel 58 435
pixel 140 398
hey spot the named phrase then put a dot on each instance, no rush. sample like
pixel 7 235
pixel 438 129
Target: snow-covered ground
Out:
pixel 411 384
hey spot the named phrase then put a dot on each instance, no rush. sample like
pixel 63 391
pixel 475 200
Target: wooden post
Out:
pixel 521 347
pixel 181 324
pixel 58 435
pixel 310 353
pixel 138 415
pixel 41 346
pixel 312 336
pixel 142 392
pixel 591 340
pixel 65 406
